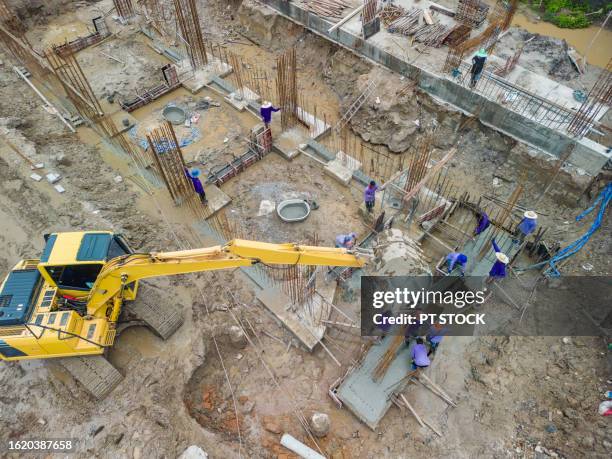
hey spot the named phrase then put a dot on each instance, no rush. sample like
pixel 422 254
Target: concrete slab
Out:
pixel 217 199
pixel 241 99
pixel 320 150
pixel 338 171
pixel 123 120
pixel 369 400
pixel 300 322
pixel 195 81
pixel 348 161
pixel 276 302
pixel 288 142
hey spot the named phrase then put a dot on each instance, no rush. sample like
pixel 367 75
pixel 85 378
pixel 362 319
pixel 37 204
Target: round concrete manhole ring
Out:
pixel 174 114
pixel 293 210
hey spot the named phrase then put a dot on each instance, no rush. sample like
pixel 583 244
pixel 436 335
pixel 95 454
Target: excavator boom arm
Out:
pixel 126 269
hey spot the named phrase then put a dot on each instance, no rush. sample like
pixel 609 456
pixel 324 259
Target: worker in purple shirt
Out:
pixel 346 241
pixel 266 110
pixel 369 195
pixel 434 337
pixel 498 270
pixel 419 355
pixel 526 226
pixel 456 259
pixel 194 175
pixel 483 223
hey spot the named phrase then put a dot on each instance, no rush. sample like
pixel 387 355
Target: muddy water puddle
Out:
pixel 134 343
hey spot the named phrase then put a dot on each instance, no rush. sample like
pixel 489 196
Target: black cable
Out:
pixel 297 262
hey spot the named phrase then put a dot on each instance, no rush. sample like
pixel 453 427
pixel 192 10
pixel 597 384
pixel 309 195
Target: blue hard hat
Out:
pixel 194 173
pixel 461 258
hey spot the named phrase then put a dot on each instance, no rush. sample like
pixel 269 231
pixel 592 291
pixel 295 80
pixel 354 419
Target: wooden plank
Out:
pixel 346 19
pixel 414 413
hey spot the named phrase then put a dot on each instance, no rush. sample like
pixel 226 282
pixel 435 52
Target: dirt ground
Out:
pixel 517 397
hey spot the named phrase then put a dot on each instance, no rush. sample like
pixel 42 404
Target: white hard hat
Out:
pixel 266 104
pixel 530 214
pixel 502 257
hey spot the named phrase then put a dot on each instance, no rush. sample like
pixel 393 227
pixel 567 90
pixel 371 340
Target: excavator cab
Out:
pixel 71 262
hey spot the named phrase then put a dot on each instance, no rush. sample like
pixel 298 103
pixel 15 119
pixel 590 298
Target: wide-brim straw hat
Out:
pixel 530 214
pixel 502 257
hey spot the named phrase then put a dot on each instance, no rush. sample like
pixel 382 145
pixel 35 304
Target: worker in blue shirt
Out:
pixel 526 226
pixel 456 259
pixel 498 270
pixel 346 241
pixel 483 223
pixel 266 112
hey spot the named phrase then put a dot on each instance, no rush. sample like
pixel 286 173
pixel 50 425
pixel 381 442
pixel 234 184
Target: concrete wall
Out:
pixel 587 155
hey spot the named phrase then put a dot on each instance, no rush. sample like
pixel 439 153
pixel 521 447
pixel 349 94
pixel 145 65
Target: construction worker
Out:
pixel 266 112
pixel 483 223
pixel 526 226
pixel 194 175
pixel 498 270
pixel 419 355
pixel 478 62
pixel 369 195
pixel 434 337
pixel 346 241
pixel 456 259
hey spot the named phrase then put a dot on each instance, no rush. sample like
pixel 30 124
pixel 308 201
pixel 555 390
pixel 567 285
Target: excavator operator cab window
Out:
pixel 75 277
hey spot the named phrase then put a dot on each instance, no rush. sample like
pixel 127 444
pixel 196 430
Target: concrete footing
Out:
pixel 336 170
pixel 194 81
pixel 217 199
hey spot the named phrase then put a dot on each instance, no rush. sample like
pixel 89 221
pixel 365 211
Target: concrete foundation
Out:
pixel 588 155
pixel 303 321
pixel 369 400
pixel 336 170
pixel 240 100
pixel 217 199
pixel 194 81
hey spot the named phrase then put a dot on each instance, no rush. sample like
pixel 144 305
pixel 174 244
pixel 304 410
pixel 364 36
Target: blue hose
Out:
pixel 603 199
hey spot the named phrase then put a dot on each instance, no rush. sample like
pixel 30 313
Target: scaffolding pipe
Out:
pixel 44 99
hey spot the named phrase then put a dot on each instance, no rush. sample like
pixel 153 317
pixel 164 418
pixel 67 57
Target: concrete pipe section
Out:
pixel 293 210
pixel 174 114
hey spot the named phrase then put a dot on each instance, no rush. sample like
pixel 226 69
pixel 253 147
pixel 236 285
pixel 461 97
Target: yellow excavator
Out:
pixel 67 304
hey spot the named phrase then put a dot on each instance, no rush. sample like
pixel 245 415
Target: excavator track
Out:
pixel 152 308
pixel 94 372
